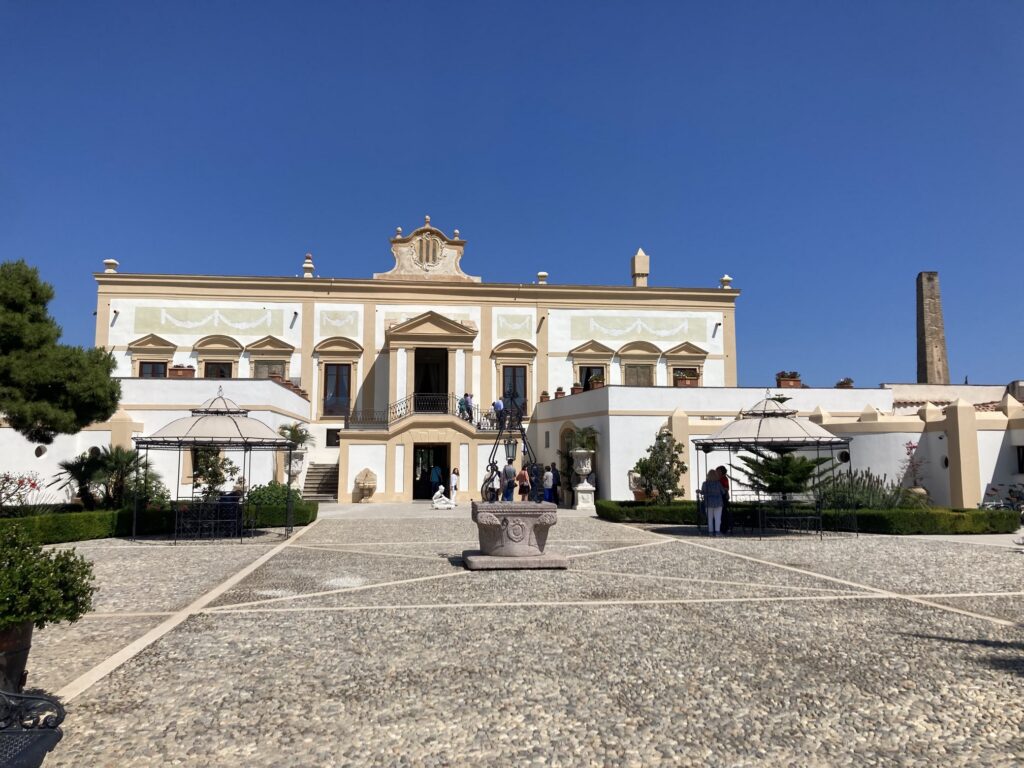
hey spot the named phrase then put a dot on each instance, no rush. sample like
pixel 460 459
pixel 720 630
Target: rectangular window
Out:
pixel 263 369
pixel 217 370
pixel 638 375
pixel 685 373
pixel 333 438
pixel 588 372
pixel 149 370
pixel 513 385
pixel 337 389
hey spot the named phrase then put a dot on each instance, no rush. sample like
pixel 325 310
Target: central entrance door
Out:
pixel 430 467
pixel 431 380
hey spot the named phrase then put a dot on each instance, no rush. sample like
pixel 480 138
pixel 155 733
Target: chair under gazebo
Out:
pixel 218 424
pixel 769 425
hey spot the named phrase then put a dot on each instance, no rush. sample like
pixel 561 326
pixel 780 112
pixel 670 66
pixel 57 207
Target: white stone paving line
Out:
pixel 108 665
pixel 341 590
pixel 619 549
pixel 567 603
pixel 709 581
pixel 884 592
pixel 126 614
pixel 340 549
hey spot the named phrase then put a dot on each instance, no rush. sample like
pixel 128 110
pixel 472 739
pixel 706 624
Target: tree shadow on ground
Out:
pixel 1012 660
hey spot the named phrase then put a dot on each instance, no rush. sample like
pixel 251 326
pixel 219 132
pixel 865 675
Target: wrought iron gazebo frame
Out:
pixel 214 518
pixel 511 426
pixel 784 517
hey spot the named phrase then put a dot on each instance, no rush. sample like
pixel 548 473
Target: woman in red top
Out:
pixel 723 478
pixel 523 479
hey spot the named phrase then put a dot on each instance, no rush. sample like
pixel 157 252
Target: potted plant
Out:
pixel 596 382
pixel 845 383
pixel 181 372
pixel 297 433
pixel 576 388
pixel 38 587
pixel 685 377
pixel 544 396
pixel 788 379
pixel 559 393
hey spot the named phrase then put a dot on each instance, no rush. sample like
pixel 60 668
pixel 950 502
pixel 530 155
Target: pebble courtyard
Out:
pixel 361 640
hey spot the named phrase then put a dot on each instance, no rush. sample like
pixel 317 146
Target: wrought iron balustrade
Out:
pixel 422 403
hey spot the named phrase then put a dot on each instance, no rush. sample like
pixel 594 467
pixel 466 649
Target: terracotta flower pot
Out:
pixel 559 393
pixel 787 383
pixel 684 381
pixel 574 390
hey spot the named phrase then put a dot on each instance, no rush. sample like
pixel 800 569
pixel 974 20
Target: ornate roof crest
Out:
pixel 427 254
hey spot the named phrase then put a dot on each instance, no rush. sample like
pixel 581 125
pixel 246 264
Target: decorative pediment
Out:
pixel 514 348
pixel 338 346
pixel 152 343
pixel 427 254
pixel 270 345
pixel 217 343
pixel 592 350
pixel 430 328
pixel 687 349
pixel 639 349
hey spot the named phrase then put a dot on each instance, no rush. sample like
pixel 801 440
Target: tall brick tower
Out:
pixel 932 360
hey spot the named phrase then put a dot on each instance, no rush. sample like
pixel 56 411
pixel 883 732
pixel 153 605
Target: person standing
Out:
pixel 499 412
pixel 523 479
pixel 723 478
pixel 549 485
pixel 454 485
pixel 469 407
pixel 711 490
pixel 556 485
pixel 508 474
pixel 435 477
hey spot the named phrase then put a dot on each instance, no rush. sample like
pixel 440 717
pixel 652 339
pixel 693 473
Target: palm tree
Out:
pixel 297 433
pixel 118 467
pixel 80 472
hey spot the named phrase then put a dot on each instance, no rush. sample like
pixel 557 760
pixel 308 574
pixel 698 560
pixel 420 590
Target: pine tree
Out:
pixel 46 388
pixel 782 474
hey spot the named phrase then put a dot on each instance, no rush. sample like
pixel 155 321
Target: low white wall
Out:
pixel 18 455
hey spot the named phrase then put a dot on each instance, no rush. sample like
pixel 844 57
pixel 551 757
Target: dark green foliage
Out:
pixel 662 468
pixel 80 472
pixel 779 473
pixel 679 512
pixel 46 388
pixel 930 520
pixel 41 586
pixel 210 471
pixel 272 494
pixel 297 433
pixel 103 524
pixel 863 489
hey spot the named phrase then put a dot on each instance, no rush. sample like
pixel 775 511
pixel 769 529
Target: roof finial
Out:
pixel 398 231
pixel 426 220
pixel 220 391
pixel 307 266
pixel 456 234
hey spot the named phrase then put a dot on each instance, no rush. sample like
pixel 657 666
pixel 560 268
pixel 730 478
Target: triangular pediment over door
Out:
pixel 430 329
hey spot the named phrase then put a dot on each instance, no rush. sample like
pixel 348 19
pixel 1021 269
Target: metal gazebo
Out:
pixel 771 425
pixel 218 424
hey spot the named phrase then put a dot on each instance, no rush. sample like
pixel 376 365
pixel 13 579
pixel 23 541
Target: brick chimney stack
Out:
pixel 932 359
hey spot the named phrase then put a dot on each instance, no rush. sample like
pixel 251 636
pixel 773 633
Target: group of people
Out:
pixel 715 496
pixel 508 481
pixel 465 407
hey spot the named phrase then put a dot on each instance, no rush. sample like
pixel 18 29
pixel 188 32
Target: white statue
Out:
pixel 440 501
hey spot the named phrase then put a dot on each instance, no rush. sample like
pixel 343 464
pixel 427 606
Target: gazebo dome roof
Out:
pixel 770 424
pixel 219 405
pixel 768 408
pixel 218 422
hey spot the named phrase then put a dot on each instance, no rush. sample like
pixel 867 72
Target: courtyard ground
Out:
pixel 362 640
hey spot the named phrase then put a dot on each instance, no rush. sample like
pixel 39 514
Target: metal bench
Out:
pixel 29 729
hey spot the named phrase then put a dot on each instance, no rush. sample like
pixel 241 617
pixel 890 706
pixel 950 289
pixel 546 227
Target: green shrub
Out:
pixel 273 494
pixel 931 520
pixel 303 512
pixel 41 586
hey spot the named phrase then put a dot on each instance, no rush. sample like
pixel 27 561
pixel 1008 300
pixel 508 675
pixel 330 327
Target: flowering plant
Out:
pixel 18 487
pixel 912 466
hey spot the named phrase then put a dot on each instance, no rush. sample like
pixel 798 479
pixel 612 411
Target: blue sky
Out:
pixel 821 153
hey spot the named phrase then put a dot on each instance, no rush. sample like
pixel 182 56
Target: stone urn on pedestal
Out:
pixel 582 464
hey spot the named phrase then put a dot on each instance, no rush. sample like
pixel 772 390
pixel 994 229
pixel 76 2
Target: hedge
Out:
pixel 103 524
pixel 932 520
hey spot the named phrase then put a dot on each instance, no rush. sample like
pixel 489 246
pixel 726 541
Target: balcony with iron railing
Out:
pixel 417 404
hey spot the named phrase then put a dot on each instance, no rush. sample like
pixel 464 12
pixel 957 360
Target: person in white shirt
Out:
pixel 549 484
pixel 454 485
pixel 499 412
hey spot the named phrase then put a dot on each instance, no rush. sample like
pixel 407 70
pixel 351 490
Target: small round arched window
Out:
pixel 844 457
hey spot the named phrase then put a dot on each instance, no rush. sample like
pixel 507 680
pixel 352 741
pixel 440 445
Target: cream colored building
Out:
pixel 382 361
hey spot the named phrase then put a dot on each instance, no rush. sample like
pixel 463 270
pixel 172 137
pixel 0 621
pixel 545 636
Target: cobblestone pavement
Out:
pixel 364 642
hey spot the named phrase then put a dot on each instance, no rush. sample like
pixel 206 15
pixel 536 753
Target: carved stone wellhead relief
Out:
pixel 427 254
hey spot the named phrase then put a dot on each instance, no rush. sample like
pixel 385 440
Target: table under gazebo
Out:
pixel 219 425
pixel 769 425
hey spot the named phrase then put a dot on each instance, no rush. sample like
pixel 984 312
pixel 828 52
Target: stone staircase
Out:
pixel 321 483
